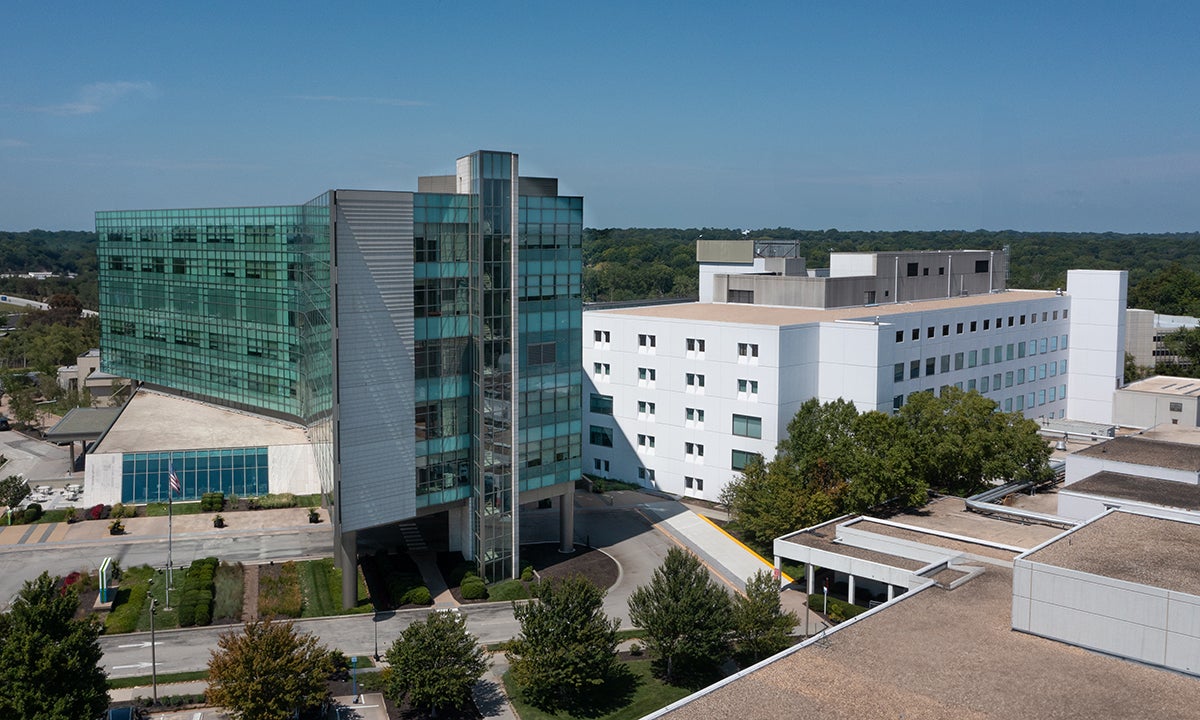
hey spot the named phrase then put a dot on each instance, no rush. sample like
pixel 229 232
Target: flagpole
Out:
pixel 170 564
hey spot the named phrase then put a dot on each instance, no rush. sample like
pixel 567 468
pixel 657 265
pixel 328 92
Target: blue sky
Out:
pixel 860 116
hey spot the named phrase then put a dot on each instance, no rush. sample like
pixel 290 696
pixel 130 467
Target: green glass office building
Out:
pixel 428 341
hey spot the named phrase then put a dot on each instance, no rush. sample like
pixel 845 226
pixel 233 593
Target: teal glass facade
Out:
pixel 242 307
pixel 241 472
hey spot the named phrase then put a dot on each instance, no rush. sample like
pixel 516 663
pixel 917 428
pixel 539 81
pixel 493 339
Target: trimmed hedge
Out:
pixel 473 588
pixel 196 603
pixel 417 596
pixel 212 502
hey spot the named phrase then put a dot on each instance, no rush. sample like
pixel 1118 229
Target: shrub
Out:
pixel 417 596
pixel 212 502
pixel 527 573
pixel 635 650
pixel 116 527
pixel 95 512
pixel 33 512
pixel 122 511
pixel 274 501
pixel 473 589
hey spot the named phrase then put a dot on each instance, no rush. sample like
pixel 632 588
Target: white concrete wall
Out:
pixel 709 270
pixel 1139 622
pixel 102 479
pixel 293 469
pixel 1084 466
pixel 1145 409
pixel 1097 354
pixel 721 367
pixel 847 264
pixel 1079 506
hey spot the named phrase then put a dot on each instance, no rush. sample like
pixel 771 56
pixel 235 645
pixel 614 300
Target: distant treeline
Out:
pixel 640 263
pixel 1164 269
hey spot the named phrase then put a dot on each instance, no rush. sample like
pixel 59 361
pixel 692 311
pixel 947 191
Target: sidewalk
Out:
pixel 256 522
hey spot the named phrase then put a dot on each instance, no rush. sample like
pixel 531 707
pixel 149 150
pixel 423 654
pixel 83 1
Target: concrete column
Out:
pixel 346 558
pixel 891 592
pixel 850 589
pixel 779 571
pixel 812 578
pixel 566 520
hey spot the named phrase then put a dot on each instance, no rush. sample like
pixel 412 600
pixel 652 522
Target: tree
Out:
pixel 760 626
pixel 23 406
pixel 566 652
pixel 50 661
pixel 13 489
pixel 435 663
pixel 685 616
pixel 1184 344
pixel 268 671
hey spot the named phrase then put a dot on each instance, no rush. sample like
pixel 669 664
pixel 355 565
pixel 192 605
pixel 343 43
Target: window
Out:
pixel 646 341
pixel 543 353
pixel 1020 350
pixel 945 364
pixel 898 372
pixel 645 442
pixel 747 350
pixel 600 465
pixel 694 415
pixel 987 356
pixel 1007 404
pixel 1041 397
pixel 601 436
pixel 996 381
pixel 601 371
pixel 1042 371
pixel 1053 343
pixel 987 324
pixel 930 366
pixel 601 336
pixel 741 296
pixel 929 331
pixel 1021 376
pixel 645 410
pixel 646 375
pixel 1010 320
pixel 646 474
pixel 747 387
pixel 1022 320
pixel 958 361
pixel 695 381
pixel 981 266
pixel 916 334
pixel 1064 337
pixel 912 269
pixel 958 329
pixel 747 426
pixel 1053 393
pixel 601 404
pixel 693 483
pixel 1065 314
pixel 695 345
pixel 945 330
pixel 1053 367
pixel 1020 402
pixel 985 384
pixel 973 325
pixel 897 402
pixel 914 369
pixel 1008 379
pixel 1062 367
pixel 972 358
pixel 693 450
pixel 972 384
pixel 740 459
pixel 899 336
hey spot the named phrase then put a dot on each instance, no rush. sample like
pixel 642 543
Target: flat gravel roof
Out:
pixel 949 655
pixel 153 421
pixel 1122 486
pixel 1137 548
pixel 1146 451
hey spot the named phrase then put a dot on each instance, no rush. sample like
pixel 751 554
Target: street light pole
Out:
pixel 354 674
pixel 153 660
pixel 375 625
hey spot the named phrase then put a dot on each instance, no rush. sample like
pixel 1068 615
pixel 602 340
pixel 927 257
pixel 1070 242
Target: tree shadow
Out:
pixel 614 693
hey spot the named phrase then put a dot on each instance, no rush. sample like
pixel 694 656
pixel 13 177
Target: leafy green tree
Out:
pixel 49 661
pixel 13 489
pixel 435 663
pixel 773 499
pixel 23 406
pixel 567 650
pixel 964 443
pixel 685 616
pixel 268 672
pixel 760 626
pixel 1133 371
pixel 1184 343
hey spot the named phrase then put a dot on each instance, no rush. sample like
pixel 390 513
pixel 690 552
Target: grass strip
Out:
pixel 130 682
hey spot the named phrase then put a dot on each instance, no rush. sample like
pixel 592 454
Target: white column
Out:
pixel 850 589
pixel 891 592
pixel 812 578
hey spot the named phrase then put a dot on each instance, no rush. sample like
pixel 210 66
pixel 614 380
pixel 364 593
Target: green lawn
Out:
pixel 649 694
pixel 130 682
pixel 132 609
pixel 321 590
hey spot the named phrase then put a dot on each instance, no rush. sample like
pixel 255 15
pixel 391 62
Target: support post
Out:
pixel 346 557
pixel 850 589
pixel 891 592
pixel 812 578
pixel 566 520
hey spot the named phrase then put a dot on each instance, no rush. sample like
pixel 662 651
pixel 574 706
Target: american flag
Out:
pixel 175 486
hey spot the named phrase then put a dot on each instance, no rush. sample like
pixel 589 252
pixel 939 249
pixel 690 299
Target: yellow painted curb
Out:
pixel 719 529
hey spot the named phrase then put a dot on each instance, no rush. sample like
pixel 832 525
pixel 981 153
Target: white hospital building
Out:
pixel 679 397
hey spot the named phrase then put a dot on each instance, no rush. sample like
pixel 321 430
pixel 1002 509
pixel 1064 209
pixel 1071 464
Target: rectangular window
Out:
pixel 911 269
pixel 1042 346
pixel 987 324
pixel 1053 367
pixel 987 356
pixel 693 450
pixel 645 410
pixel 747 387
pixel 981 266
pixel 973 325
pixel 996 381
pixel 1020 402
pixel 945 330
pixel 972 384
pixel 972 358
pixel 647 374
pixel 1007 404
pixel 958 329
pixel 1008 379
pixel 1042 371
pixel 1062 367
pixel 601 336
pixel 1053 343
pixel 958 361
pixel 601 404
pixel 645 442
pixel 695 345
pixel 930 366
pixel 914 369
pixel 646 341
pixel 694 415
pixel 1020 350
pixel 1021 376
pixel 1053 394
pixel 929 331
pixel 1031 400
pixel 899 336
pixel 898 372
pixel 945 364
pixel 985 384
pixel 543 353
pixel 646 474
pixel 747 426
pixel 695 381
pixel 747 350
pixel 1064 337
pixel 916 333
pixel 601 370
pixel 897 402
pixel 693 483
pixel 601 436
pixel 740 459
pixel 1041 397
